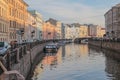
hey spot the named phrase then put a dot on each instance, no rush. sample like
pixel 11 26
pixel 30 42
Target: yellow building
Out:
pixel 98 31
pixel 17 18
pixel 52 29
pixel 3 20
pixel 102 32
pixel 48 31
pixel 83 31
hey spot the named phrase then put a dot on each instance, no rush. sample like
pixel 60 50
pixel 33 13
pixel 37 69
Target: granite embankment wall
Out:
pixel 23 57
pixel 25 63
pixel 110 45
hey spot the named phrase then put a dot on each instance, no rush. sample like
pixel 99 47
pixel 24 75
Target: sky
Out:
pixel 73 11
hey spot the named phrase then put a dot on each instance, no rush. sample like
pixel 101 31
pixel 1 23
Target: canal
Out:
pixel 79 62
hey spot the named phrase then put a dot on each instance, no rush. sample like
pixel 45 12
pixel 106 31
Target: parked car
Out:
pixel 4 46
pixel 50 48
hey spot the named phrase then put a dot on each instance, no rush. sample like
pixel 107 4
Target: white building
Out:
pixel 30 28
pixel 83 33
pixel 38 24
pixel 66 31
pixel 75 30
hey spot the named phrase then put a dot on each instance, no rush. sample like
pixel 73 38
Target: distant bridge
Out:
pixel 78 40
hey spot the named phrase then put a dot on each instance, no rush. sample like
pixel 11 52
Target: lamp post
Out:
pixel 113 35
pixel 32 34
pixel 22 33
pixel 107 34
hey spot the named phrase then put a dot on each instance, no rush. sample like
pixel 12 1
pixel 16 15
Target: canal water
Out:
pixel 79 62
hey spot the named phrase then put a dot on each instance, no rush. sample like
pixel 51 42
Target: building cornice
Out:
pixel 24 2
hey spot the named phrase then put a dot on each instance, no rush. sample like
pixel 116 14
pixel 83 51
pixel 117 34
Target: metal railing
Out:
pixel 16 53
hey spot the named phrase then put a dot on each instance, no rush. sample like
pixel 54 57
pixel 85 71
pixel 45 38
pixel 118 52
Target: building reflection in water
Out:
pixel 63 52
pixel 38 70
pixel 51 60
pixel 83 50
pixel 74 51
pixel 107 63
pixel 94 51
pixel 112 65
pixel 112 62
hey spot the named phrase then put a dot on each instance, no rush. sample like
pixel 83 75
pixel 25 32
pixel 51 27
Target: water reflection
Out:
pixel 112 69
pixel 112 64
pixel 79 62
pixel 38 70
pixel 63 52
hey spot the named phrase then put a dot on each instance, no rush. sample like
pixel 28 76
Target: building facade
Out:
pixel 58 30
pixel 48 31
pixel 112 22
pixel 63 31
pixel 68 31
pixel 17 11
pixel 30 28
pixel 103 32
pixel 39 24
pixel 4 26
pixel 54 26
pixel 95 31
pixel 83 31
pixel 75 30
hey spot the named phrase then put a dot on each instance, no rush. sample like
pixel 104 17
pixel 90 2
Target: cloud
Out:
pixel 68 12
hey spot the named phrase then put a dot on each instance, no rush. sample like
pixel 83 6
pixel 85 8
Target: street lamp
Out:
pixel 113 34
pixel 32 34
pixel 107 34
pixel 21 33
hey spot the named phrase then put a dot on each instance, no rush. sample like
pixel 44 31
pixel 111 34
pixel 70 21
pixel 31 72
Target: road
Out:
pixel 79 62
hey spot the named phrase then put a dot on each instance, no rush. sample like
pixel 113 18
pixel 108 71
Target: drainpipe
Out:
pixel 112 23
